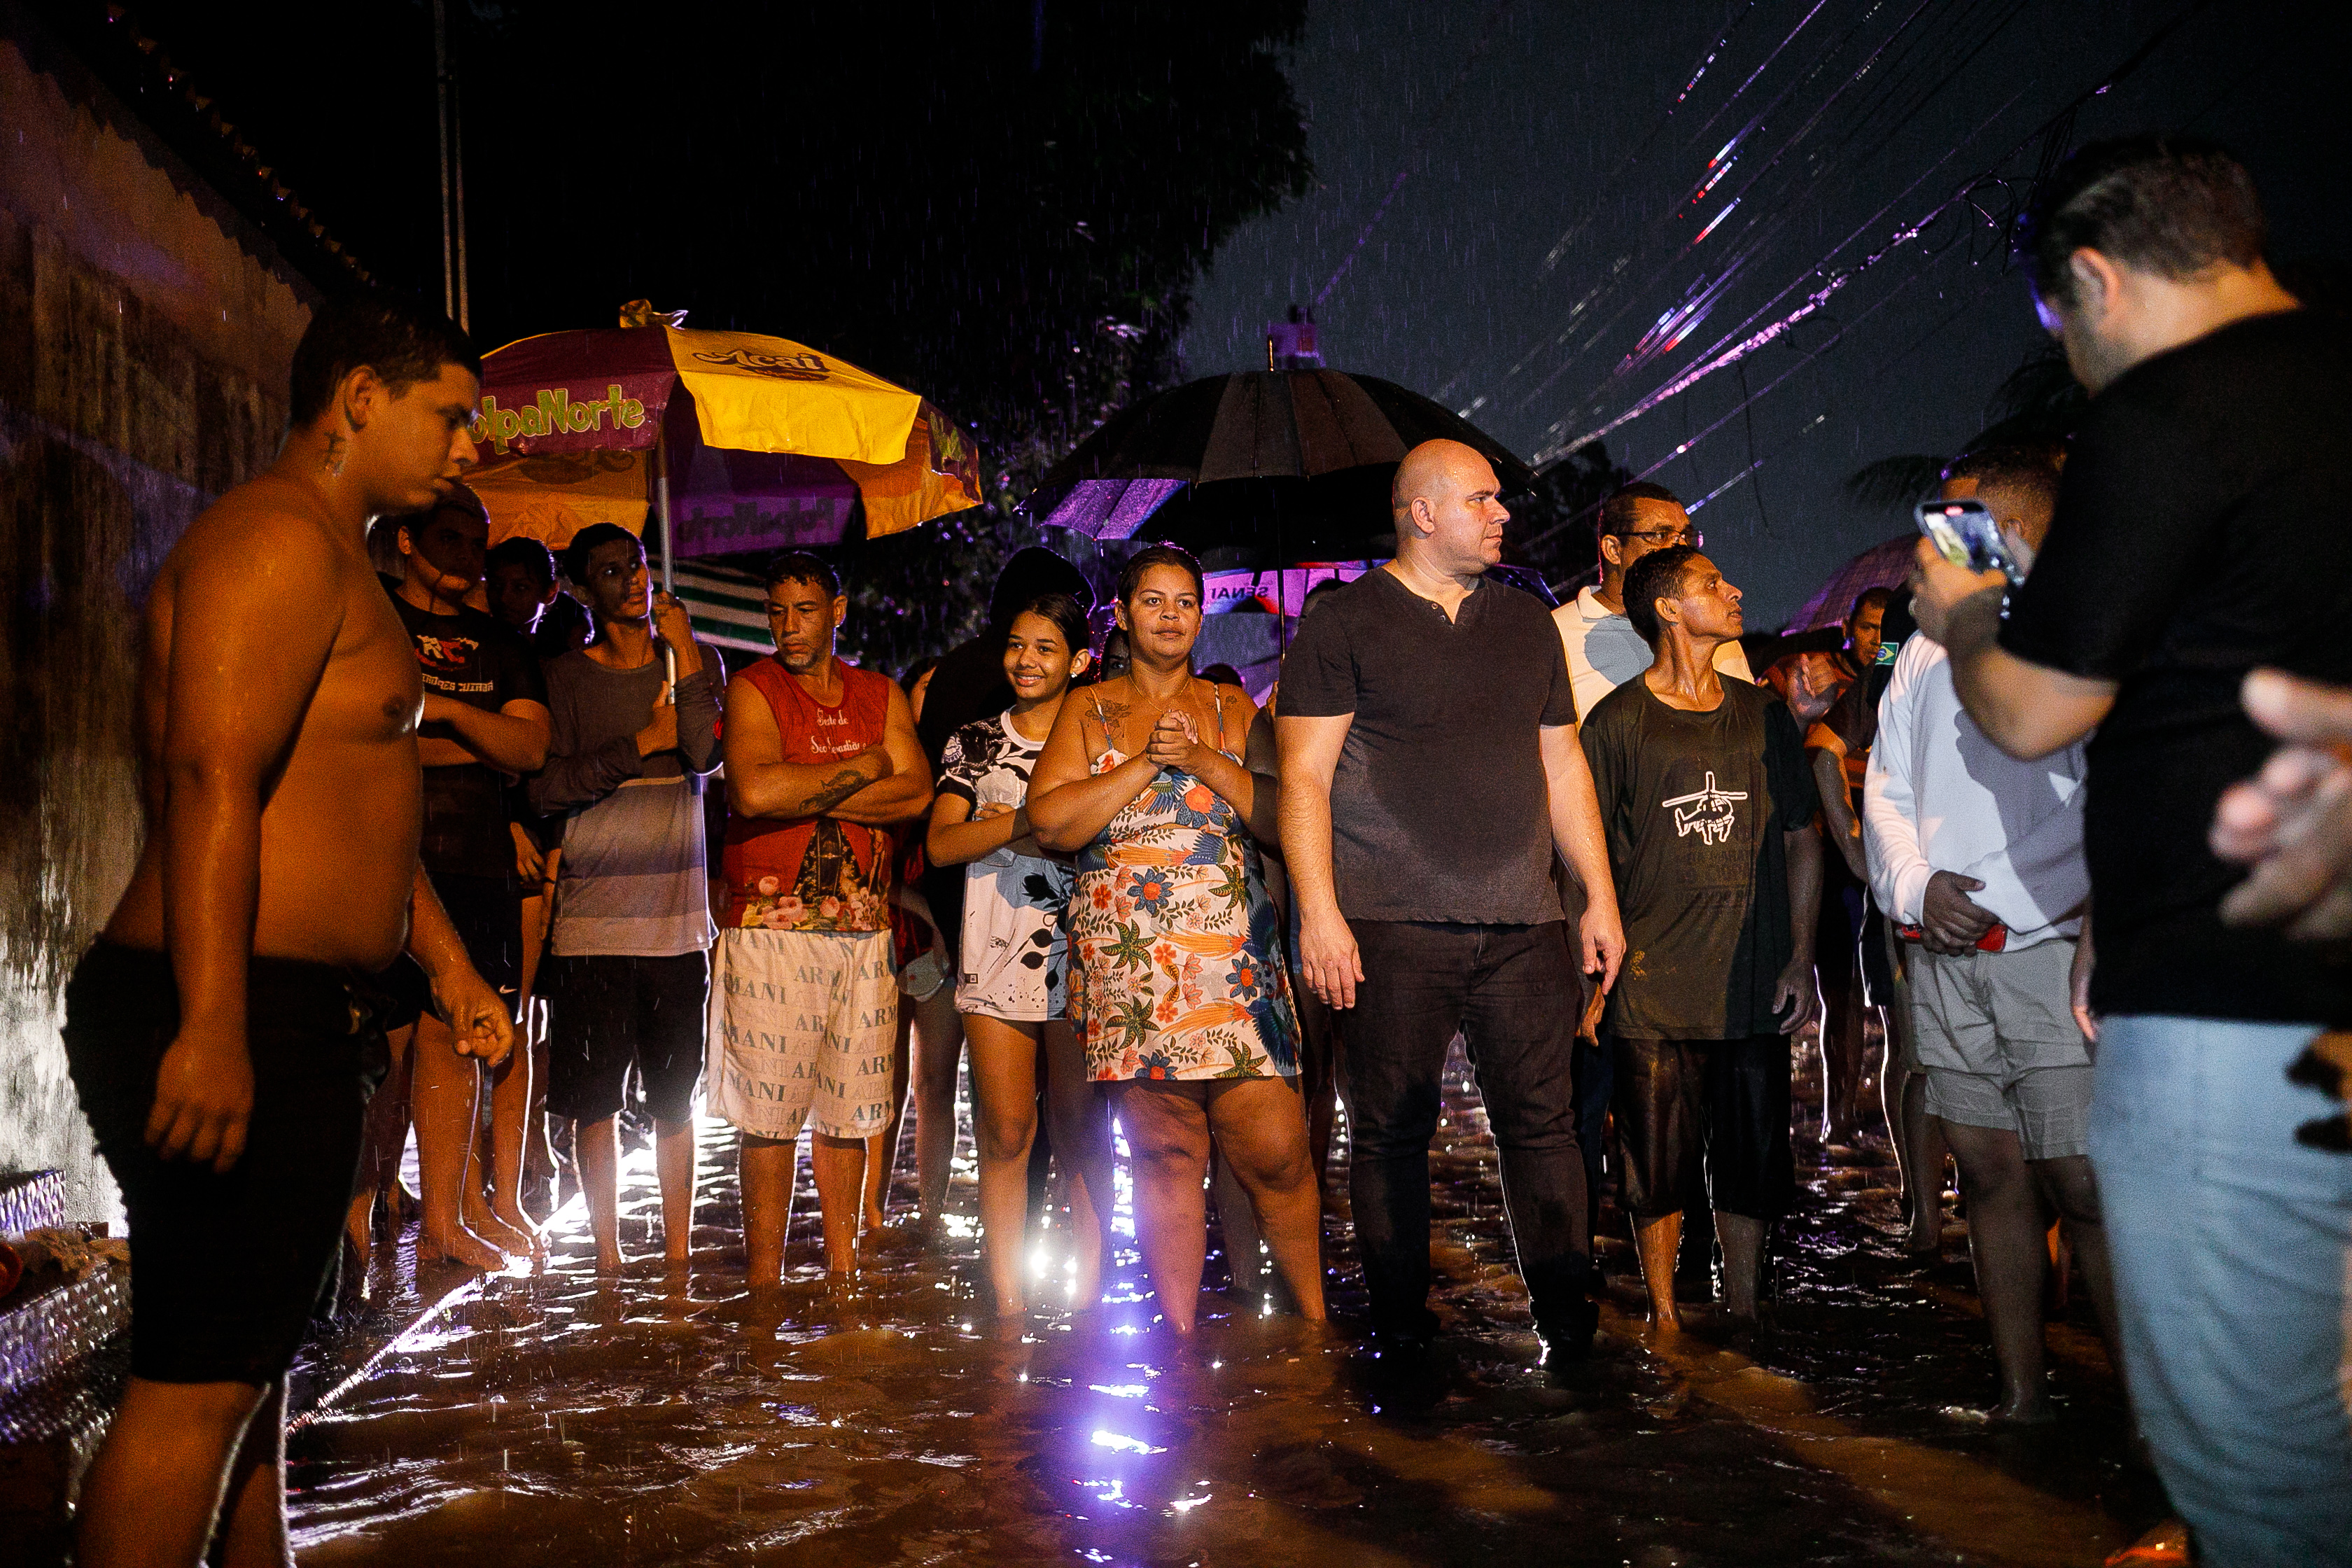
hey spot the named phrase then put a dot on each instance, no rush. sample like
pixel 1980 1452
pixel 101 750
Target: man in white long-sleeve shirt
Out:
pixel 1978 858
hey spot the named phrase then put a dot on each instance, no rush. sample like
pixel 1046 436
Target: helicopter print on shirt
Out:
pixel 1707 812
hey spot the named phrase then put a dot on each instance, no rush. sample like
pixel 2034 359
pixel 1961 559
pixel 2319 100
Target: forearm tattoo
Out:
pixel 836 790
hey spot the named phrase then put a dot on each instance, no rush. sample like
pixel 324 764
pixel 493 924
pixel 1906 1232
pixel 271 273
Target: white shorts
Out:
pixel 803 1023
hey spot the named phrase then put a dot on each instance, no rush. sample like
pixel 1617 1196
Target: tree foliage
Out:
pixel 1003 204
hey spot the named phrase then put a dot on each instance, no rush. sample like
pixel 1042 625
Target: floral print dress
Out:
pixel 1176 967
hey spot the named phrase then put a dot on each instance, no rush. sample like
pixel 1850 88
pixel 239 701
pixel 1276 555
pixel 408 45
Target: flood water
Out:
pixel 562 1418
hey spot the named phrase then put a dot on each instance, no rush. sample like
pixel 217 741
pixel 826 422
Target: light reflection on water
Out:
pixel 660 1419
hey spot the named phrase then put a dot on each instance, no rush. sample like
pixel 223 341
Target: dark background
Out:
pixel 1561 123
pixel 1009 205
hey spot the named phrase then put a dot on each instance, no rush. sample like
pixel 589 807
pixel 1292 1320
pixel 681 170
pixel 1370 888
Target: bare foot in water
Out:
pixel 514 1234
pixel 2021 1410
pixel 465 1249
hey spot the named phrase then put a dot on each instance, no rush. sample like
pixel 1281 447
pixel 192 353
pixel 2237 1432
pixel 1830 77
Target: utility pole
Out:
pixel 453 175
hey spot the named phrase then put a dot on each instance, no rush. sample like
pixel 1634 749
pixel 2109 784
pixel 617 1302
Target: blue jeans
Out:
pixel 1513 992
pixel 2229 1241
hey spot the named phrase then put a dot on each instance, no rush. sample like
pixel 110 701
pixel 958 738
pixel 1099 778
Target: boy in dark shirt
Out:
pixel 485 716
pixel 1707 803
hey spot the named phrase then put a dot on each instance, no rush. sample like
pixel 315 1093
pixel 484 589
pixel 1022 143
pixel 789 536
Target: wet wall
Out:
pixel 144 335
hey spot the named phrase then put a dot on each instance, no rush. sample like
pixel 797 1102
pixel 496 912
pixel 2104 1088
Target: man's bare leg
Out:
pixel 938 1044
pixel 597 1147
pixel 1658 1241
pixel 1244 1247
pixel 448 1087
pixel 154 1491
pixel 511 1092
pixel 382 1139
pixel 674 1162
pixel 882 1148
pixel 252 1524
pixel 1742 1236
pixel 2068 1187
pixel 2007 1232
pixel 1079 1118
pixel 840 1167
pixel 765 1166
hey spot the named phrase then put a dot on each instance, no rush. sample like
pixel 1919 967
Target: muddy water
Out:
pixel 663 1419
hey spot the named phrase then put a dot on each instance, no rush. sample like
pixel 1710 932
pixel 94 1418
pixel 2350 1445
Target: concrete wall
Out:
pixel 144 335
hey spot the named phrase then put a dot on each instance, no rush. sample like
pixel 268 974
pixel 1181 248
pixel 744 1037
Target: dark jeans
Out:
pixel 1513 992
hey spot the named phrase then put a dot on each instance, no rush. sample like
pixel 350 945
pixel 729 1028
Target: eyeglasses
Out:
pixel 1665 537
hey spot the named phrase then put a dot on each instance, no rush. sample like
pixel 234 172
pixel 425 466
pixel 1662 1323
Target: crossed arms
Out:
pixel 881 786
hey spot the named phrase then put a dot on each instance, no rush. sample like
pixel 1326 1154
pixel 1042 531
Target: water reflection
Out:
pixel 657 1419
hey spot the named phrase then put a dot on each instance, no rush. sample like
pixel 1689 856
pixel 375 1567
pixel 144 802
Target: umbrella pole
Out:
pixel 661 510
pixel 661 516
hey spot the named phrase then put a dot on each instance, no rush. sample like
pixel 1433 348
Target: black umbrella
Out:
pixel 1294 464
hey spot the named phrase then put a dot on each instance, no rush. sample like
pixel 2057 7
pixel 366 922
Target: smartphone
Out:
pixel 1966 535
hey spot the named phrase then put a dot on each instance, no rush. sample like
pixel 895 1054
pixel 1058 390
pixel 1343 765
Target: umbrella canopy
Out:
pixel 1298 462
pixel 762 442
pixel 1884 565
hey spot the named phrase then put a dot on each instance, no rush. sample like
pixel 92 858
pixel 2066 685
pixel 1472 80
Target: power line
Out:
pixel 2056 128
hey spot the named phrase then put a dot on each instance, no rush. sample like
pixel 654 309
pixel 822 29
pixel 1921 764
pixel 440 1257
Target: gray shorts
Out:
pixel 1998 1038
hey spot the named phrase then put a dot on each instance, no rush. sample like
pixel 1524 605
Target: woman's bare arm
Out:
pixel 1069 807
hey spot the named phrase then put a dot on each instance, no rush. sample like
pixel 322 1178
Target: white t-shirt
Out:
pixel 1015 957
pixel 1941 797
pixel 1604 651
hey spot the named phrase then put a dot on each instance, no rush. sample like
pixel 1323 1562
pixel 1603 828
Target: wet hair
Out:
pixel 398 336
pixel 1130 576
pixel 1619 513
pixel 527 552
pixel 460 500
pixel 800 566
pixel 1034 571
pixel 1220 675
pixel 587 542
pixel 1322 585
pixel 1657 575
pixel 2027 472
pixel 1869 599
pixel 1069 618
pixel 2172 205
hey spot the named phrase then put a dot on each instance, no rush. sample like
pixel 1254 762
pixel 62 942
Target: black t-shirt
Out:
pixel 477 661
pixel 1694 806
pixel 2201 532
pixel 1438 807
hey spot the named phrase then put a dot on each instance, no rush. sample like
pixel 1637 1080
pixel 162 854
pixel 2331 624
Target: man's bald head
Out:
pixel 1448 518
pixel 1433 471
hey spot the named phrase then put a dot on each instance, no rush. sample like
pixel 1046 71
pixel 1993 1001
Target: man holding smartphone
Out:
pixel 2199 534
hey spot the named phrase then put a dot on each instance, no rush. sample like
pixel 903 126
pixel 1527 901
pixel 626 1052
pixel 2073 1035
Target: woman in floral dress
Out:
pixel 1177 984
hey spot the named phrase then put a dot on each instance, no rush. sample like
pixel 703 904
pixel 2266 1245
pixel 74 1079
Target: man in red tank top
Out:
pixel 822 764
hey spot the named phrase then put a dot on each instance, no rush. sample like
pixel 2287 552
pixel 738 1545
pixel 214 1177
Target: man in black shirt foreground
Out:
pixel 1709 805
pixel 1429 772
pixel 485 717
pixel 2199 534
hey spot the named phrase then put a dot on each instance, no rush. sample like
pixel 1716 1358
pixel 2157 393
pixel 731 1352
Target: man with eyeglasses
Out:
pixel 1604 651
pixel 629 971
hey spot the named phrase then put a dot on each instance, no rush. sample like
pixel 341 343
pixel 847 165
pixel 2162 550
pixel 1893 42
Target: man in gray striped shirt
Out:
pixel 628 975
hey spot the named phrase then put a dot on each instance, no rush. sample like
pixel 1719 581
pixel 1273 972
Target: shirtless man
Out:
pixel 221 1032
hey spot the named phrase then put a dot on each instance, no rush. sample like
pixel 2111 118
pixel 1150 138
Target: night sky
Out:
pixel 1561 127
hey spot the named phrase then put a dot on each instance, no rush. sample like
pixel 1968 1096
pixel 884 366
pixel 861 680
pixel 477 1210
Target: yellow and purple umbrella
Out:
pixel 736 440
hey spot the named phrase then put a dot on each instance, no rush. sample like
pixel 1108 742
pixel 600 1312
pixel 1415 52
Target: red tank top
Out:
pixel 812 873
